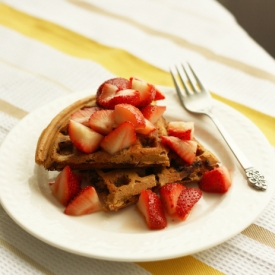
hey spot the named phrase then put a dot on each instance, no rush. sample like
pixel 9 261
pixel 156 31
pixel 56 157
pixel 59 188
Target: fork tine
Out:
pixel 181 71
pixel 201 86
pixel 190 80
pixel 177 84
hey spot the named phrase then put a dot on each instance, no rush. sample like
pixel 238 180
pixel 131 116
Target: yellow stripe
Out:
pixel 24 257
pixel 11 110
pixel 260 235
pixel 254 71
pixel 116 60
pixel 184 265
pixel 264 122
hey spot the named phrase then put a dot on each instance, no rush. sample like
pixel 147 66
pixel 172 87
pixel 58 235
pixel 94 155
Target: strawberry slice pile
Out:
pixel 67 190
pixel 123 111
pixel 134 91
pixel 175 201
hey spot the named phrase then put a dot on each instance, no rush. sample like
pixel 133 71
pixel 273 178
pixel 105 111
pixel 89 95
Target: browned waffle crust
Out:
pixel 54 149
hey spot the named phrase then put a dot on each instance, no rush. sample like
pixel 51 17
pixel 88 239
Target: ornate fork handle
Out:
pixel 255 179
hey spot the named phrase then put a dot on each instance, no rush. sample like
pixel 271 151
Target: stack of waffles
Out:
pixel 120 177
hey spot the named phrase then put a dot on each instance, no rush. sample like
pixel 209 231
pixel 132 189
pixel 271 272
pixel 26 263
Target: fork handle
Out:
pixel 255 179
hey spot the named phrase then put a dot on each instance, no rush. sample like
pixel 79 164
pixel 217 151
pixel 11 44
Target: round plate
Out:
pixel 123 236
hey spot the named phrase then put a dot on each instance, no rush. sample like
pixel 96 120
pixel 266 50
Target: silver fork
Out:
pixel 196 99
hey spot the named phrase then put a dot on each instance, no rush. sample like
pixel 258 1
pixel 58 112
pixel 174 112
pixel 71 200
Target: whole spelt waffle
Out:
pixel 54 149
pixel 119 178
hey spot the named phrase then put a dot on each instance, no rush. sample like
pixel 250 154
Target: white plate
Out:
pixel 123 236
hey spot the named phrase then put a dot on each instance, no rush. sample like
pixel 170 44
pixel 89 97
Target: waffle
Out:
pixel 119 188
pixel 119 178
pixel 54 149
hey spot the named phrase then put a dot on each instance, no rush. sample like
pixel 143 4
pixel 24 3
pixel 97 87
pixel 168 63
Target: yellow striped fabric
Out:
pixel 82 47
pixel 79 46
pixel 184 265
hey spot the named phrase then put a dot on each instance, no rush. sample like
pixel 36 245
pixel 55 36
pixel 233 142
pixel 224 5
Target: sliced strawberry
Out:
pixel 102 121
pixel 181 129
pixel 187 199
pixel 159 95
pixel 186 149
pixel 85 202
pixel 146 90
pixel 150 207
pixel 216 181
pixel 128 112
pixel 108 90
pixel 119 82
pixel 104 99
pixel 169 194
pixel 153 113
pixel 128 96
pixel 112 97
pixel 83 115
pixel 84 138
pixel 148 129
pixel 66 186
pixel 120 138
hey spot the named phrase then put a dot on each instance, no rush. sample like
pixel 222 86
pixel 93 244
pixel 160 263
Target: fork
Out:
pixel 196 99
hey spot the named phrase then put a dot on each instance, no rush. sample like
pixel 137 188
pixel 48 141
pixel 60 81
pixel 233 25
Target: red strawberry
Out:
pixel 85 202
pixel 120 138
pixel 216 181
pixel 83 115
pixel 66 186
pixel 159 95
pixel 153 113
pixel 111 98
pixel 84 138
pixel 187 199
pixel 181 129
pixel 119 82
pixel 186 149
pixel 147 91
pixel 169 194
pixel 102 121
pixel 128 96
pixel 128 112
pixel 108 90
pixel 148 129
pixel 149 205
pixel 106 94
